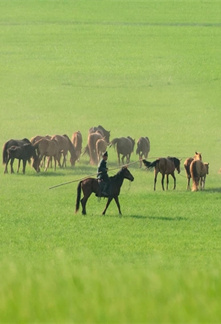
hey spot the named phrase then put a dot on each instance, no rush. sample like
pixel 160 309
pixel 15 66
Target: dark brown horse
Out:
pixel 90 185
pixel 143 148
pixel 21 150
pixel 23 153
pixel 124 147
pixel 165 166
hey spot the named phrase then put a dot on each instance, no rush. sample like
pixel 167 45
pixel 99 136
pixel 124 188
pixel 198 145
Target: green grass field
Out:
pixel 139 68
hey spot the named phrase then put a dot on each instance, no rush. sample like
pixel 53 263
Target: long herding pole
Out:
pixel 91 175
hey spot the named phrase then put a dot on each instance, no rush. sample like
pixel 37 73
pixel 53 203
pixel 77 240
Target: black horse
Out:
pixel 21 150
pixel 90 185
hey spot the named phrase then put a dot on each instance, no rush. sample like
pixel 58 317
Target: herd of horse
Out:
pixel 43 150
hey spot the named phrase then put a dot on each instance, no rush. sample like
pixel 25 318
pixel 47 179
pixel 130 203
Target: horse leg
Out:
pixel 140 158
pixel 118 204
pixel 47 165
pixel 24 165
pixel 11 163
pixel 118 156
pixel 83 204
pixel 162 181
pixel 19 161
pixel 108 203
pixel 188 183
pixel 167 181
pixel 155 180
pixel 174 181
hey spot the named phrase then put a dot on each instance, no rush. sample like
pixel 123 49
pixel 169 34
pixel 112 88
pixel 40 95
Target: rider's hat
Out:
pixel 105 154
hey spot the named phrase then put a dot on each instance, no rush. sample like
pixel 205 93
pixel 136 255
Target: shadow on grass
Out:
pixel 160 218
pixel 213 190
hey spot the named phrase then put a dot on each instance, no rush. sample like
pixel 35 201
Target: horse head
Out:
pixel 36 163
pixel 126 173
pixel 198 156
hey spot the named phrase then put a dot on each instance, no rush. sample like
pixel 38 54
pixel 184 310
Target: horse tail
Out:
pixel 146 163
pixel 114 142
pixel 4 153
pixel 194 175
pixel 78 197
pixel 150 164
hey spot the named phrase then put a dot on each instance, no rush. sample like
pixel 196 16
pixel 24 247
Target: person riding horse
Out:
pixel 102 175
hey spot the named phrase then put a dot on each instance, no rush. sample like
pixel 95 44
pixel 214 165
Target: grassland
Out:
pixel 139 68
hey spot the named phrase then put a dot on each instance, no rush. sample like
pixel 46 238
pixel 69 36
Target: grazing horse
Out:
pixel 143 148
pixel 166 166
pixel 124 146
pixel 92 140
pixel 197 156
pixel 7 145
pixel 198 172
pixel 76 139
pixel 101 147
pixel 24 153
pixel 90 185
pixel 65 145
pixel 48 148
pixel 105 134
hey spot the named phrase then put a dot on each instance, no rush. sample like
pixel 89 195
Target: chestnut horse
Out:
pixel 90 185
pixel 198 172
pixel 166 166
pixel 92 140
pixel 105 134
pixel 101 147
pixel 76 139
pixel 48 148
pixel 197 156
pixel 143 148
pixel 65 145
pixel 124 146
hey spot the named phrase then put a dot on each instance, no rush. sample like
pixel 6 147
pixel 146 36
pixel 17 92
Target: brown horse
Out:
pixel 143 148
pixel 36 138
pixel 65 145
pixel 90 185
pixel 76 139
pixel 197 156
pixel 50 149
pixel 92 140
pixel 101 147
pixel 198 172
pixel 166 166
pixel 105 134
pixel 124 146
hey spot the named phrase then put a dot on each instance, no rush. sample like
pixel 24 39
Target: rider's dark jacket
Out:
pixel 102 171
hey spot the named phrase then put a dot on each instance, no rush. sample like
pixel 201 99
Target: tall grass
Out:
pixel 139 68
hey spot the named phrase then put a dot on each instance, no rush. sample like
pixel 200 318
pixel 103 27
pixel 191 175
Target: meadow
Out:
pixel 139 68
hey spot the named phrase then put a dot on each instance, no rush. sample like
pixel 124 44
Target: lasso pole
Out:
pixel 91 175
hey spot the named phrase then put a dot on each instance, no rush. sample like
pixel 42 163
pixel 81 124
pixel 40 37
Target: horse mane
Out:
pixel 175 160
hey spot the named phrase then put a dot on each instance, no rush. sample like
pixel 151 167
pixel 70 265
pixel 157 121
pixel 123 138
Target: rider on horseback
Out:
pixel 102 174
